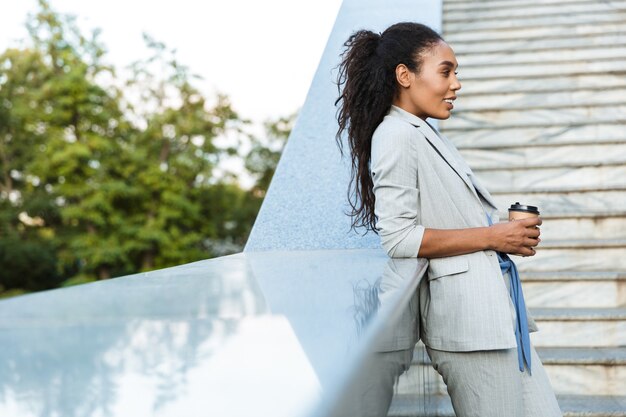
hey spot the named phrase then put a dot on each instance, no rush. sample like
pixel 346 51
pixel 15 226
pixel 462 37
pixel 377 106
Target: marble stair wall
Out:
pixel 541 119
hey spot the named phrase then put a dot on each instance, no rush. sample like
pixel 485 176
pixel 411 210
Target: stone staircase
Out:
pixel 541 118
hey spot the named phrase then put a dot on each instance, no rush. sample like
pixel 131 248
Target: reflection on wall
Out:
pixel 392 352
pixel 121 345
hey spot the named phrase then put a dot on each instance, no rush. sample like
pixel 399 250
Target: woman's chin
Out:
pixel 442 116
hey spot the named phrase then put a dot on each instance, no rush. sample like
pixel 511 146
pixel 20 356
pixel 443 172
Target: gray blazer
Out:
pixel 421 181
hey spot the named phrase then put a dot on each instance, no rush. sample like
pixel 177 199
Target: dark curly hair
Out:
pixel 367 86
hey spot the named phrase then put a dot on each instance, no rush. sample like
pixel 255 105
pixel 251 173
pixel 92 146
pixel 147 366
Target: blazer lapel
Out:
pixel 437 143
pixel 482 190
pixel 445 153
pixel 456 162
pixel 466 168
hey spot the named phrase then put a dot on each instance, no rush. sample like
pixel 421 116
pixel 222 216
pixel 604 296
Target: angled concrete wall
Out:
pixel 305 204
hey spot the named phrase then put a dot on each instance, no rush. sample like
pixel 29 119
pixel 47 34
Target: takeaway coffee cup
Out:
pixel 519 211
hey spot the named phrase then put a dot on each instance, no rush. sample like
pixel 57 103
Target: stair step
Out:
pixel 571 405
pixel 555 43
pixel 545 156
pixel 573 259
pixel 591 371
pixel 555 205
pixel 574 276
pixel 530 22
pixel 531 136
pixel 536 9
pixel 563 55
pixel 506 119
pixel 582 356
pixel 592 227
pixel 449 6
pixel 617 314
pixel 579 327
pixel 540 100
pixel 535 32
pixel 575 294
pixel 548 84
pixel 541 69
pixel 572 178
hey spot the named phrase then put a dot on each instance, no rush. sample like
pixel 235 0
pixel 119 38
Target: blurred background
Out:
pixel 142 154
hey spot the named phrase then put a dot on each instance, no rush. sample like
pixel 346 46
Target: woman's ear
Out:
pixel 403 75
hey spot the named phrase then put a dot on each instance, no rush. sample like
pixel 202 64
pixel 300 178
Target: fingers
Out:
pixel 529 242
pixel 534 233
pixel 530 222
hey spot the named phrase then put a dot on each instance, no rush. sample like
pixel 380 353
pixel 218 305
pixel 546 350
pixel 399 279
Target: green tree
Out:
pixel 85 132
pixel 265 153
pixel 98 181
pixel 28 259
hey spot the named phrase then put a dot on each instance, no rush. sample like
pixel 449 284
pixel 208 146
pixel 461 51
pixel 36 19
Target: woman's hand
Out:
pixel 517 237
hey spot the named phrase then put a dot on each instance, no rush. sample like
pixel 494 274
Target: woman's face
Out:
pixel 431 92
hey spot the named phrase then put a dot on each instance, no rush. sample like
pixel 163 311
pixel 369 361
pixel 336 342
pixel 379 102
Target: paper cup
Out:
pixel 519 211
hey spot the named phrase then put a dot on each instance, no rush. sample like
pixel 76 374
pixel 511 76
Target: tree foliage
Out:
pixel 105 178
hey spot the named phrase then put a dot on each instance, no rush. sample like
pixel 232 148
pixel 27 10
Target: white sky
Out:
pixel 262 54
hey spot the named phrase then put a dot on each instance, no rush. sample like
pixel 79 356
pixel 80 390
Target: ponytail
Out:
pixel 367 75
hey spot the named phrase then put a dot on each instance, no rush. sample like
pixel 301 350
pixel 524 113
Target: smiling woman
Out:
pixel 413 188
pixel 432 92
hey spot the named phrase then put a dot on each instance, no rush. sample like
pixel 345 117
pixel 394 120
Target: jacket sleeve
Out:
pixel 394 174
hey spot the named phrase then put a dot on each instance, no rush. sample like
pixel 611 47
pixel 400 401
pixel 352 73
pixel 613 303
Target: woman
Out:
pixel 413 188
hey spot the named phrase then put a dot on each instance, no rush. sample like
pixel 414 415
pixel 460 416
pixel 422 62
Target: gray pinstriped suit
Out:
pixel 421 181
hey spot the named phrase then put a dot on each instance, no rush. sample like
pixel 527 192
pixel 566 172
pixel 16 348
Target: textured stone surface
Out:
pixel 554 134
pixel 546 156
pixel 450 5
pixel 575 294
pixel 572 204
pixel 569 41
pixel 537 117
pixel 580 327
pixel 565 178
pixel 564 19
pixel 561 55
pixel 600 82
pixel 543 69
pixel 588 379
pixel 534 32
pixel 581 333
pixel 583 259
pixel 584 228
pixel 536 9
pixel 550 100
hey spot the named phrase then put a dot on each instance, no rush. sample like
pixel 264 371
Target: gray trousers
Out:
pixel 488 383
